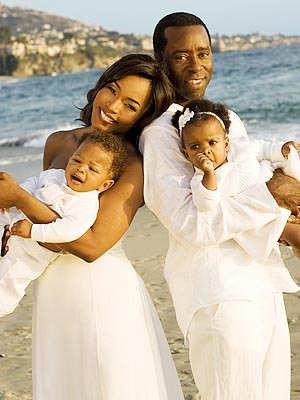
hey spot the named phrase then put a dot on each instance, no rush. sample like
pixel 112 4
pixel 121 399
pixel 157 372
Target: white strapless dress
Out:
pixel 96 334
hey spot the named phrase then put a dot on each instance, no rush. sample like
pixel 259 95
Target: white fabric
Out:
pixel 97 336
pixel 25 261
pixel 204 263
pixel 78 210
pixel 241 350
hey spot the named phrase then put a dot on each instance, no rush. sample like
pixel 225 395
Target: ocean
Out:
pixel 261 85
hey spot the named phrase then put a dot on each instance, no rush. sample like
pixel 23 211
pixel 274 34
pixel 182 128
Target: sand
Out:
pixel 146 244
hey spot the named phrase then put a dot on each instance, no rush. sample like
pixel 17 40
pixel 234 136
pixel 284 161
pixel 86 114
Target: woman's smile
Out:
pixel 107 118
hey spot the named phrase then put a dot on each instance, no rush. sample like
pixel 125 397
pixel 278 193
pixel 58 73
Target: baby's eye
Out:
pixel 194 147
pixel 93 169
pixel 212 142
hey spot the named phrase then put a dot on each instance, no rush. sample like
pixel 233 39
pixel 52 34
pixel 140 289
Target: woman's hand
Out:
pixel 9 189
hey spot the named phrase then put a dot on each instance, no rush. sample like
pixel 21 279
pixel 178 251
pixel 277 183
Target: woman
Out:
pixel 96 334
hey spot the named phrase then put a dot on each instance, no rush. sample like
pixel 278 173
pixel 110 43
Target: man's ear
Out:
pixel 106 185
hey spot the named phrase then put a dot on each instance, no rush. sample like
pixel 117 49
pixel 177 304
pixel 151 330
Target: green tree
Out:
pixel 8 62
pixel 4 35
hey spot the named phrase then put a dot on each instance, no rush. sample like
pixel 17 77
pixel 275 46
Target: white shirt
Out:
pixel 198 277
pixel 78 210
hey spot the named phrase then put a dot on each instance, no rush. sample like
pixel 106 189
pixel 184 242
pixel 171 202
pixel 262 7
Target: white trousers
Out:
pixel 25 261
pixel 240 350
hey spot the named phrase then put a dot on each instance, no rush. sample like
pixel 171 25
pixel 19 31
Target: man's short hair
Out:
pixel 176 19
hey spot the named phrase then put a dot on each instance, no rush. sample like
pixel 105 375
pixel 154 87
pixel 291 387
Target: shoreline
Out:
pixel 146 245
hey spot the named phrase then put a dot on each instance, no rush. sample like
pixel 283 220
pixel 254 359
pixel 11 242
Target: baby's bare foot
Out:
pixel 5 237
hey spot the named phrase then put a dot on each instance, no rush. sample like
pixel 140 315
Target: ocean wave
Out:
pixel 272 132
pixel 36 139
pixel 9 81
pixel 21 158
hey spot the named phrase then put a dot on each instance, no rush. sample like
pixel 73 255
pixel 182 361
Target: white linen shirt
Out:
pixel 198 277
pixel 78 210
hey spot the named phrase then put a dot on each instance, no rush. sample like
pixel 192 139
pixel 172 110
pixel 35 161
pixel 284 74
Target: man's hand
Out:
pixel 22 228
pixel 286 192
pixel 8 189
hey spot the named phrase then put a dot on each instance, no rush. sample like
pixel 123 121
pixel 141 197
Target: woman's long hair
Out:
pixel 143 65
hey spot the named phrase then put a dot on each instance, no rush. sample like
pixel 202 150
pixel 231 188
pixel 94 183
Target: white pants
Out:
pixel 25 261
pixel 240 350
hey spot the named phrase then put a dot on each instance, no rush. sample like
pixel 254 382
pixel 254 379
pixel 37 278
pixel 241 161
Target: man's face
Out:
pixel 189 60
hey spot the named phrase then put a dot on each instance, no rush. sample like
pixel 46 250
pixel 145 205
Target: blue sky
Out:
pixel 227 17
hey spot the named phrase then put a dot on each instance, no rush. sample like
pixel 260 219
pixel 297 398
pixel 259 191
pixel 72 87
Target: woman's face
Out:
pixel 120 104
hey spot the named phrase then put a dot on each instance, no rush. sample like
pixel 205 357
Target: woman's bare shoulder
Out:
pixel 61 136
pixel 135 159
pixel 59 146
pixel 132 152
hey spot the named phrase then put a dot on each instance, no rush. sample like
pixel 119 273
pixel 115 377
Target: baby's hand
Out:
pixel 204 163
pixel 285 149
pixel 22 228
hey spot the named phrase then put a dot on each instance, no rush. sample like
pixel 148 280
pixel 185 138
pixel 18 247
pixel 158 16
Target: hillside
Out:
pixel 37 43
pixel 22 20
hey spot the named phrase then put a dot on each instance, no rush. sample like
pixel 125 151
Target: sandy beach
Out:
pixel 146 245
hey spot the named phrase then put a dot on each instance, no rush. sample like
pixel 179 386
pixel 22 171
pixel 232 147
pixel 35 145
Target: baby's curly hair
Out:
pixel 111 144
pixel 203 105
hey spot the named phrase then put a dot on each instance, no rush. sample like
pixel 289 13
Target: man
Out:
pixel 237 335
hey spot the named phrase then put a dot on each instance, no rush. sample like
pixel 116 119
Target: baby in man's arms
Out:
pixel 224 166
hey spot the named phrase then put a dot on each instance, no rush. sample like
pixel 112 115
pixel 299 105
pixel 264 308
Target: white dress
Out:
pixel 96 334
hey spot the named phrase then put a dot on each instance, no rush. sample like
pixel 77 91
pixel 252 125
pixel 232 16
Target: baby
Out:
pixel 223 167
pixel 73 194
